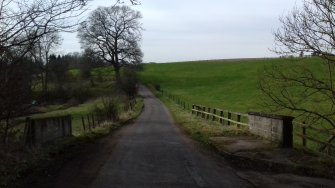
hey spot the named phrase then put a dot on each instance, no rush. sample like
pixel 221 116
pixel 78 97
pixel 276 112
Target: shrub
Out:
pixel 109 110
pixel 129 83
pixel 81 93
pixel 157 87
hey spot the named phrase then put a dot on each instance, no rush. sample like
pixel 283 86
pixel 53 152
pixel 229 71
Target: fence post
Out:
pixel 238 120
pixel 221 115
pixel 203 112
pixel 29 133
pixel 304 140
pixel 214 113
pixel 209 111
pixel 192 108
pixel 229 117
pixel 70 123
pixel 89 123
pixel 93 121
pixel 98 121
pixel 83 122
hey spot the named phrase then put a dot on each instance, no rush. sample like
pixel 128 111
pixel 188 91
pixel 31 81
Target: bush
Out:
pixel 129 82
pixel 109 110
pixel 81 93
pixel 157 87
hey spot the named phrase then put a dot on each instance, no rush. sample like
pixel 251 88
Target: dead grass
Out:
pixel 199 128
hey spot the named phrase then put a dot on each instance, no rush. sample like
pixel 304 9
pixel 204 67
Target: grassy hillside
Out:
pixel 226 84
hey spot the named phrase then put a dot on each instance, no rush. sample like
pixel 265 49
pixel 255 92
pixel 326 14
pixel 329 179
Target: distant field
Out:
pixel 226 84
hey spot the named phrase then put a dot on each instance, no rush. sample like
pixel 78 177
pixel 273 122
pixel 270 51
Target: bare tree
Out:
pixel 40 53
pixel 305 88
pixel 113 33
pixel 22 24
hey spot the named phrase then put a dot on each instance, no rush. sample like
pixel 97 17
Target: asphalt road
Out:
pixel 154 153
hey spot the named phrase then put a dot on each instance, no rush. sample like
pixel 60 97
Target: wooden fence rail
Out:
pixel 226 117
pixel 220 115
pixel 213 114
pixel 324 139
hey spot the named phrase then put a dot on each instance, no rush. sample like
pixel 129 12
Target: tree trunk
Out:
pixel 46 79
pixel 117 75
pixel 117 68
pixel 92 81
pixel 5 136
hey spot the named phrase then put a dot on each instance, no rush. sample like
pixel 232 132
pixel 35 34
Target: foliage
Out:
pixel 108 109
pixel 129 83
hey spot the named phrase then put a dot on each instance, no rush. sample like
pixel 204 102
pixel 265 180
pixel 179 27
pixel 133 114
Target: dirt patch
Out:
pixel 252 152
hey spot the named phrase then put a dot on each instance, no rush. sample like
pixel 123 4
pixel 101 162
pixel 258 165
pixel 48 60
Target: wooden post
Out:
pixel 209 111
pixel 203 112
pixel 28 132
pixel 221 115
pixel 229 117
pixel 214 113
pixel 89 123
pixel 304 140
pixel 192 108
pixel 93 121
pixel 238 120
pixel 98 121
pixel 83 122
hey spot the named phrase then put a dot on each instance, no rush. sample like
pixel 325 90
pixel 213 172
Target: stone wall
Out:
pixel 272 127
pixel 38 131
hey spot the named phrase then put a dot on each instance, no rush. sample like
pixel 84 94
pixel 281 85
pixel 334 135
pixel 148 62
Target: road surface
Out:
pixel 153 152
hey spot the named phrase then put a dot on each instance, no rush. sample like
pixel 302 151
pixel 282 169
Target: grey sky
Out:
pixel 178 30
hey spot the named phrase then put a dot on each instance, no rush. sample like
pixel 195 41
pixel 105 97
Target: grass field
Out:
pixel 226 84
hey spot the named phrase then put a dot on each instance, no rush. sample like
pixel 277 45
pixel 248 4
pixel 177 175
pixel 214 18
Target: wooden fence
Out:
pixel 316 140
pixel 179 101
pixel 91 121
pixel 213 114
pixel 223 116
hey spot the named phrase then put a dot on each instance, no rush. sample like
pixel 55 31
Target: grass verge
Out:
pixel 198 128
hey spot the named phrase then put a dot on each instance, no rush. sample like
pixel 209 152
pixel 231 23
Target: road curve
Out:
pixel 154 153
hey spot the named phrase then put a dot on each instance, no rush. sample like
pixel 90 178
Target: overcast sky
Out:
pixel 180 30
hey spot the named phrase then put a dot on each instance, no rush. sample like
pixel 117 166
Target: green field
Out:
pixel 225 84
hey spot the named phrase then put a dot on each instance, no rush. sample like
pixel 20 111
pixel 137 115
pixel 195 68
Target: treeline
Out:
pixel 62 74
